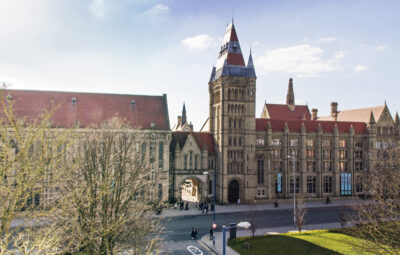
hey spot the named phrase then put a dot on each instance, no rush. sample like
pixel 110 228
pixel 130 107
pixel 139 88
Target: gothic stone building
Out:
pixel 148 115
pixel 286 150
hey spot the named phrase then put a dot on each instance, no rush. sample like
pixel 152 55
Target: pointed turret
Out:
pixel 230 60
pixel 371 118
pixel 290 95
pixel 183 115
pixel 212 74
pixel 251 72
pixel 397 119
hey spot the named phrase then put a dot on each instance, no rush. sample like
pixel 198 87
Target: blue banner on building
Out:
pixel 345 184
pixel 279 181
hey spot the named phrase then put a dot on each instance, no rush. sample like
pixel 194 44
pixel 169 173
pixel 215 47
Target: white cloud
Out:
pixel 360 68
pixel 155 10
pixel 97 8
pixel 326 39
pixel 380 47
pixel 199 42
pixel 304 60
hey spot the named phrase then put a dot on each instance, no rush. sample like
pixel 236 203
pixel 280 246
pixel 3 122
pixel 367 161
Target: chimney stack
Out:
pixel 179 121
pixel 314 113
pixel 334 111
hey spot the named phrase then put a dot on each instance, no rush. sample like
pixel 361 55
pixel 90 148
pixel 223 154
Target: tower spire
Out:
pixel 290 95
pixel 183 114
pixel 251 72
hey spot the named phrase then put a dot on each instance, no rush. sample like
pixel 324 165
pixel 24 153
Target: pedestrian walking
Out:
pixel 212 207
pixel 238 201
pixel 181 205
pixel 276 204
pixel 211 233
pixel 176 206
pixel 187 206
pixel 327 200
pixel 192 234
pixel 195 204
pixel 206 208
pixel 195 234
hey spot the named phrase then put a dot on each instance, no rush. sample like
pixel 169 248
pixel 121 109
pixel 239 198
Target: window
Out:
pixel 311 166
pixel 260 171
pixel 260 141
pixel 276 153
pixel 358 144
pixel 311 183
pixel 358 166
pixel 290 165
pixel 230 141
pixel 326 143
pixel 294 142
pixel 277 166
pixel 143 150
pixel 345 184
pixel 328 184
pixel 185 159
pixel 160 155
pixel 378 145
pixel 191 159
pixel 234 141
pixel 358 154
pixel 159 191
pixel 342 154
pixel 310 154
pixel 326 154
pixel 327 166
pixel 240 141
pixel 276 142
pixel 291 189
pixel 342 143
pixel 310 142
pixel 210 187
pixel 385 145
pixel 293 152
pixel 196 161
pixel 343 166
pixel 278 183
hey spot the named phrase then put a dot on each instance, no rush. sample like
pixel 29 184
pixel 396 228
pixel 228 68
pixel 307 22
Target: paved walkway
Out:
pixel 283 204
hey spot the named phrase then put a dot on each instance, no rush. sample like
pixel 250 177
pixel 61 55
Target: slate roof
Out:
pixel 202 139
pixel 91 109
pixel 282 112
pixel 310 125
pixel 361 115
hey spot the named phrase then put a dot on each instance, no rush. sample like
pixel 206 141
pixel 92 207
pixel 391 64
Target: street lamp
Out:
pixel 294 188
pixel 214 225
pixel 224 228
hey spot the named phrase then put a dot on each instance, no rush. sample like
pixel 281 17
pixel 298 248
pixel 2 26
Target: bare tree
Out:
pixel 31 165
pixel 301 211
pixel 109 200
pixel 253 220
pixel 376 221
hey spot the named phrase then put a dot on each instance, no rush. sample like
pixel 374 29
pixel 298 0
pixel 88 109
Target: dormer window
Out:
pixel 73 100
pixel 133 103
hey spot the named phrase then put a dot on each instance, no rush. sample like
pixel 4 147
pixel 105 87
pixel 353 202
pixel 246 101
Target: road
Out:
pixel 177 229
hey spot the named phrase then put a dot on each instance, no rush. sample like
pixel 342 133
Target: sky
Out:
pixel 343 51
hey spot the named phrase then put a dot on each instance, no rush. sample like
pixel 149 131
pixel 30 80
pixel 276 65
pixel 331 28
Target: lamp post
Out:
pixel 214 224
pixel 224 229
pixel 294 188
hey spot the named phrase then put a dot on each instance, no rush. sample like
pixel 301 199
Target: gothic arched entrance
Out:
pixel 233 191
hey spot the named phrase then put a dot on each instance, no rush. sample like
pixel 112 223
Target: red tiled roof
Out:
pixel 235 59
pixel 202 139
pixel 311 126
pixel 282 111
pixel 91 109
pixel 361 115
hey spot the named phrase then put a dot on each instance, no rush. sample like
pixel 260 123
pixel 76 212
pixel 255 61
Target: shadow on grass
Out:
pixel 277 244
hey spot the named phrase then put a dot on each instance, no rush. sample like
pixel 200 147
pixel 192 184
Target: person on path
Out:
pixel 175 206
pixel 206 208
pixel 195 234
pixel 276 204
pixel 328 200
pixel 211 233
pixel 181 206
pixel 238 201
pixel 187 206
pixel 192 234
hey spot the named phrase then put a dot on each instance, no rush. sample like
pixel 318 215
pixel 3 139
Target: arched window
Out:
pixel 230 122
pixel 229 94
pixel 240 123
pixel 234 123
pixel 236 94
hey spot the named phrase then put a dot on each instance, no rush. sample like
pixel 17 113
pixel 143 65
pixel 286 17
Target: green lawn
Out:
pixel 310 242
